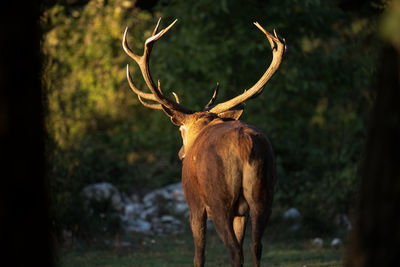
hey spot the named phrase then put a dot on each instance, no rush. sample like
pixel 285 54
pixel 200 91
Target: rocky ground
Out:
pixel 164 211
pixel 161 211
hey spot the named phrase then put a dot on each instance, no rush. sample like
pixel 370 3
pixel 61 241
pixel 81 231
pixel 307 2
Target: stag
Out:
pixel 228 166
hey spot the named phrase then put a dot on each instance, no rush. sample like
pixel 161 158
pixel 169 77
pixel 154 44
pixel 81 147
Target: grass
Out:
pixel 168 251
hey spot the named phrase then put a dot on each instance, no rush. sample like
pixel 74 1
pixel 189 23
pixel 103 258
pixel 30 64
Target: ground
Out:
pixel 169 251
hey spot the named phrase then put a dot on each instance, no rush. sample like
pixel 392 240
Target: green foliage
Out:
pixel 390 23
pixel 314 110
pixel 85 75
pixel 98 130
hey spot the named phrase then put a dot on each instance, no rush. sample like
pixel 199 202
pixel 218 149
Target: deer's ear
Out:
pixel 181 153
pixel 176 117
pixel 233 114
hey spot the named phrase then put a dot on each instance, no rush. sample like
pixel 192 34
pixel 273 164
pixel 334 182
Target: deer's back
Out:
pixel 221 155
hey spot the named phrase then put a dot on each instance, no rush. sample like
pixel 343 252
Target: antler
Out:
pixel 214 96
pixel 143 62
pixel 278 49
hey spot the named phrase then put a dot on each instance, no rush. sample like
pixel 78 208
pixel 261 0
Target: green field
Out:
pixel 178 251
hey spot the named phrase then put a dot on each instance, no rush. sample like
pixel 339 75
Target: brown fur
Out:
pixel 228 173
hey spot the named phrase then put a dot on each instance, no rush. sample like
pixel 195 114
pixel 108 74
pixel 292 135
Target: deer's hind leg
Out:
pixel 258 189
pixel 258 224
pixel 198 217
pixel 198 226
pixel 225 230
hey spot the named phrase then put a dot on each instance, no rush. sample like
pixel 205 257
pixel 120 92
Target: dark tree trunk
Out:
pixel 375 237
pixel 24 227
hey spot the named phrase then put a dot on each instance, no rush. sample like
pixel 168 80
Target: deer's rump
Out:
pixel 230 164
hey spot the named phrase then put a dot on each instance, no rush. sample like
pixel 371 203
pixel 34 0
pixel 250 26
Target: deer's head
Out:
pixel 192 123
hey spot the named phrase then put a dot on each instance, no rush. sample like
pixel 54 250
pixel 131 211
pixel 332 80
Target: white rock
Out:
pixel 99 191
pixel 154 197
pixel 181 207
pixel 148 199
pixel 336 242
pixel 133 209
pixel 138 226
pixel 104 191
pixel 129 209
pixel 292 213
pixel 317 242
pixel 175 187
pixel 169 219
pixel 148 213
pixel 144 215
pixel 167 225
pixel 134 198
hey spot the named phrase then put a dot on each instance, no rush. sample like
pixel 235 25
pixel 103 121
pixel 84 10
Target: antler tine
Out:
pixel 143 62
pixel 126 47
pixel 265 32
pixel 156 28
pixel 157 36
pixel 148 96
pixel 176 97
pixel 138 60
pixel 278 49
pixel 214 96
pixel 152 106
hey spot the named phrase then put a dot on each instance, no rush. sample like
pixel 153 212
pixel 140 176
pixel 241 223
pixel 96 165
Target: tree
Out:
pixel 24 226
pixel 375 237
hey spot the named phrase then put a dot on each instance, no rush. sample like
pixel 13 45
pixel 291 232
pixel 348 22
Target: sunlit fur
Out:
pixel 228 174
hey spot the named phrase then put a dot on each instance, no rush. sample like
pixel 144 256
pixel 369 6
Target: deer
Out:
pixel 228 166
